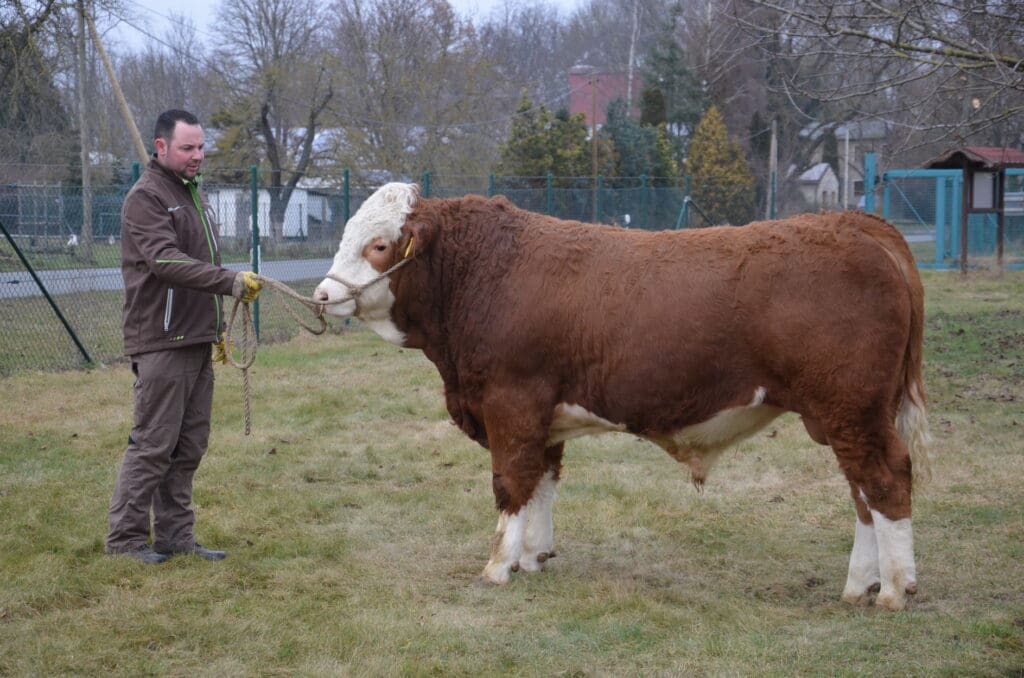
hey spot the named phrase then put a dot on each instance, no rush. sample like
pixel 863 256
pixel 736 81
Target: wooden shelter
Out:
pixel 984 186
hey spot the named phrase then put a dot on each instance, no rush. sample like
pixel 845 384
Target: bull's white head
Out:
pixel 366 250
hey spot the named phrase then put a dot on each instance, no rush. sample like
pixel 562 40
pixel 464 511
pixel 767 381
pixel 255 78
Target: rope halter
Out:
pixel 355 291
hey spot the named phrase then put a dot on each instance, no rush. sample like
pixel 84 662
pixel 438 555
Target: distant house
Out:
pixel 312 211
pixel 592 89
pixel 819 187
pixel 853 140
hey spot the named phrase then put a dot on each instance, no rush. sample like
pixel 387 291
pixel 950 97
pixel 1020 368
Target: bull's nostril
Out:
pixel 320 295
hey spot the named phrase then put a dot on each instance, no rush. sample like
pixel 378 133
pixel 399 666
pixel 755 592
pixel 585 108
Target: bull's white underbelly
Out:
pixel 720 431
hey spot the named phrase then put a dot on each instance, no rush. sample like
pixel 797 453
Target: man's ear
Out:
pixel 160 146
pixel 417 236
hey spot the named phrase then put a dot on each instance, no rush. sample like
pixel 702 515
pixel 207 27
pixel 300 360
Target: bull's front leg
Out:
pixel 539 536
pixel 506 547
pixel 525 472
pixel 524 522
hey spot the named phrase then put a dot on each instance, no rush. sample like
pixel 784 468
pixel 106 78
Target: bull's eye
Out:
pixel 380 248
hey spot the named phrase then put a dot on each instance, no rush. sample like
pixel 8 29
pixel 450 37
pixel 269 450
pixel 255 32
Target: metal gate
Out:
pixel 926 205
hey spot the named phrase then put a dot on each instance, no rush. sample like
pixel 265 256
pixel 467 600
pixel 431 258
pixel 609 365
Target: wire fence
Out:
pixel 927 206
pixel 61 292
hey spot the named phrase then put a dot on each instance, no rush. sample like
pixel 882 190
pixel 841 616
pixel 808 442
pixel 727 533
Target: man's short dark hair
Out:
pixel 169 119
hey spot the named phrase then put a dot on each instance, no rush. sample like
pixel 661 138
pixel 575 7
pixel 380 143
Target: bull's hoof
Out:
pixel 497 574
pixel 896 599
pixel 890 600
pixel 534 562
pixel 861 596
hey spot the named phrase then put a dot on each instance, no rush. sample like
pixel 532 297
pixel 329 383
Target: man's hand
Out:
pixel 221 349
pixel 247 287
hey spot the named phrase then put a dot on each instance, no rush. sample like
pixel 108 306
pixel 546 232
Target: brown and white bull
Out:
pixel 544 330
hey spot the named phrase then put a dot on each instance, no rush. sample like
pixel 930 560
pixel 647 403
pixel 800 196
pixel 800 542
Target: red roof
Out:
pixel 989 157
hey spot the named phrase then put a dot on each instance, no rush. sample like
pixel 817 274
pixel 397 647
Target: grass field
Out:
pixel 357 521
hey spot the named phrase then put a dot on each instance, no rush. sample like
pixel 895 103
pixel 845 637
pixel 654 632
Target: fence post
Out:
pixel 644 197
pixel 345 196
pixel 940 219
pixel 869 182
pixel 597 197
pixel 426 184
pixel 490 185
pixel 957 220
pixel 136 171
pixel 684 212
pixel 255 202
pixel 549 194
pixel 886 196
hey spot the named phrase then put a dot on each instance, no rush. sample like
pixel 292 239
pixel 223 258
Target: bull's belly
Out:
pixel 720 431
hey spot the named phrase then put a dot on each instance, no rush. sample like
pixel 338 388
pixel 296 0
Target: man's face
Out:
pixel 183 154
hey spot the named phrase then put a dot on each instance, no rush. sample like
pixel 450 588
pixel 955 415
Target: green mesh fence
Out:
pixel 83 279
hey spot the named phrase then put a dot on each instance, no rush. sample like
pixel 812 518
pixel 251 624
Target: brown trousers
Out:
pixel 173 399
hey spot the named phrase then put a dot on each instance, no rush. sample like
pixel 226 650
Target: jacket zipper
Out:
pixel 167 309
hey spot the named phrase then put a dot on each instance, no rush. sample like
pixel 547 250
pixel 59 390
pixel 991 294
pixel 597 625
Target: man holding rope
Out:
pixel 173 329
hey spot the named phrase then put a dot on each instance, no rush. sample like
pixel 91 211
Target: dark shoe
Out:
pixel 144 554
pixel 201 551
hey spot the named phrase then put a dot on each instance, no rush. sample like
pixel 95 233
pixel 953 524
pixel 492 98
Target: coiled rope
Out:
pixel 249 343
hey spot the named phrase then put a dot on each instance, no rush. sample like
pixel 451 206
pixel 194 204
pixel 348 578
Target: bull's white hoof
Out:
pixel 891 599
pixel 860 592
pixel 856 597
pixel 533 562
pixel 497 573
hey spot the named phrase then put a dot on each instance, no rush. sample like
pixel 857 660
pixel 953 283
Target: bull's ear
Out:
pixel 417 236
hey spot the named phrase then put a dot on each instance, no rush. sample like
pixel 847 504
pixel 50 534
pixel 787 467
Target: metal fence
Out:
pixel 61 293
pixel 927 206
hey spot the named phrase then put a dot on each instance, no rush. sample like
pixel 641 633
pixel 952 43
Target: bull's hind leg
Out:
pixel 877 465
pixel 863 579
pixel 539 535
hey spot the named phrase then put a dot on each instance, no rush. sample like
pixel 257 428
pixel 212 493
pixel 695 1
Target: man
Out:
pixel 173 324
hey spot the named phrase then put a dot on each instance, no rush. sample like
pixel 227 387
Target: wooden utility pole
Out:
pixel 126 112
pixel 593 137
pixel 773 172
pixel 86 235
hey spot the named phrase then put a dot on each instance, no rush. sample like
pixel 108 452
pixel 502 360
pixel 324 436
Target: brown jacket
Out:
pixel 171 265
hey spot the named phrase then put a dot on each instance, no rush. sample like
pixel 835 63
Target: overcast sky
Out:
pixel 152 17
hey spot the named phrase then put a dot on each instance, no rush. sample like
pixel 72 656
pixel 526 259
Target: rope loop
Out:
pixel 249 342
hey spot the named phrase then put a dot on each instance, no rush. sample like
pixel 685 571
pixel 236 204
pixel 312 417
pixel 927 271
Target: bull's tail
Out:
pixel 912 423
pixel 912 418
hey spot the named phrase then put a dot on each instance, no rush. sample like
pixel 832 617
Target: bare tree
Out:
pixel 944 73
pixel 274 67
pixel 34 128
pixel 527 45
pixel 418 90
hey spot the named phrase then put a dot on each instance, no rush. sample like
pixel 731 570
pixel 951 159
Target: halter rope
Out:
pixel 249 343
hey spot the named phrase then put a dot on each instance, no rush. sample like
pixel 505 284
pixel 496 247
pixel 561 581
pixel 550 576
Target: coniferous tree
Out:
pixel 528 151
pixel 540 143
pixel 672 93
pixel 722 185
pixel 640 149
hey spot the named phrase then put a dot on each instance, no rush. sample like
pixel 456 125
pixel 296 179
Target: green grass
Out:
pixel 357 521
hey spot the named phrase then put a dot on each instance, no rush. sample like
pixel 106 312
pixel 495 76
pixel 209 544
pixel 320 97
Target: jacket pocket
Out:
pixel 168 309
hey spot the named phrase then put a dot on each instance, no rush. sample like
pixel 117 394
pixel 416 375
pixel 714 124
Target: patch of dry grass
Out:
pixel 357 520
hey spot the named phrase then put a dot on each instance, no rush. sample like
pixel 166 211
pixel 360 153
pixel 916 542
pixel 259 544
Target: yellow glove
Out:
pixel 221 349
pixel 247 287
